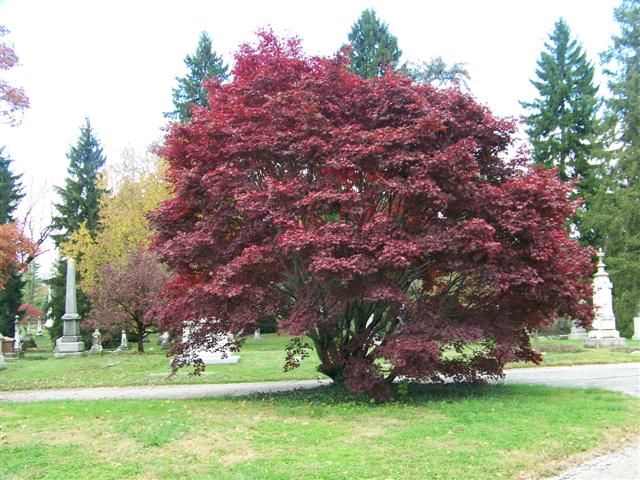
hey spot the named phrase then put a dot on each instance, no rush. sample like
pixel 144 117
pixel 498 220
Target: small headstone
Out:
pixel 124 344
pixel 3 365
pixel 7 348
pixel 256 334
pixel 96 342
pixel 221 354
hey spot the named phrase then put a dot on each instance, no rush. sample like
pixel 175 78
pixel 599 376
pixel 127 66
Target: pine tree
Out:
pixel 614 217
pixel 10 196
pixel 374 48
pixel 562 125
pixel 205 64
pixel 80 204
pixel 81 194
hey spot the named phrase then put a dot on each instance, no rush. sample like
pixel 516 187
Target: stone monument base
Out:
pixel 69 349
pixel 606 342
pixel 70 354
pixel 578 335
pixel 209 358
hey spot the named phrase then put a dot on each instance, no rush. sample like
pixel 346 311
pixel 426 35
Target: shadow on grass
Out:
pixel 403 393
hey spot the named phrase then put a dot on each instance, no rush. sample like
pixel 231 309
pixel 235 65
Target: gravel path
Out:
pixel 158 392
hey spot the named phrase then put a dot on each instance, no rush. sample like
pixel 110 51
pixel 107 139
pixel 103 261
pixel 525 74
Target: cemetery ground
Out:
pixel 430 432
pixel 449 432
pixel 261 361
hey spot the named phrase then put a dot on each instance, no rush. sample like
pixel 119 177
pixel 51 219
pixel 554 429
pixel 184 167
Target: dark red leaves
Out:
pixel 376 217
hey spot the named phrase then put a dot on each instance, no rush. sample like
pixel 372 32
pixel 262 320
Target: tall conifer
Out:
pixel 374 48
pixel 614 218
pixel 562 124
pixel 79 203
pixel 80 195
pixel 205 64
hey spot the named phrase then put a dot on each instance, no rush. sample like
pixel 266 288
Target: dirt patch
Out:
pixel 228 449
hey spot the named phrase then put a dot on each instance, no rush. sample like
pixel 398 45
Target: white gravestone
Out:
pixel 221 354
pixel 70 344
pixel 636 327
pixel 165 340
pixel 124 343
pixel 96 342
pixel 17 341
pixel 604 333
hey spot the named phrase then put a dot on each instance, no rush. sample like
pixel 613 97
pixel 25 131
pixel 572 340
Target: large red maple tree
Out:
pixel 379 218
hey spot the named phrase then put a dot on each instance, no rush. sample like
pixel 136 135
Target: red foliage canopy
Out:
pixel 374 216
pixel 30 312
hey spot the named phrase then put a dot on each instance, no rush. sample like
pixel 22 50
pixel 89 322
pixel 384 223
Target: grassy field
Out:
pixel 451 432
pixel 260 360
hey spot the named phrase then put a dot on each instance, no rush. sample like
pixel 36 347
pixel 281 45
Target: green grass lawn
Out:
pixel 450 432
pixel 260 360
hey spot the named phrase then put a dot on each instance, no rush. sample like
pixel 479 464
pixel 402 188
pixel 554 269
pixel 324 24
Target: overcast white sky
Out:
pixel 116 61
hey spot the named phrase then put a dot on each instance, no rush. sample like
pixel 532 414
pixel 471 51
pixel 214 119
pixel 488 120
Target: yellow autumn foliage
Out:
pixel 135 187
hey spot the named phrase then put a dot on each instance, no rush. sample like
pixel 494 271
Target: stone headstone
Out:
pixel 70 344
pixel 636 327
pixel 17 341
pixel 124 343
pixel 96 342
pixel 3 365
pixel 604 333
pixel 39 327
pixel 220 354
pixel 7 348
pixel 577 332
pixel 256 334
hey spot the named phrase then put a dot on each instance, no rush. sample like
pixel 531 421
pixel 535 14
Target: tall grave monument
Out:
pixel 70 344
pixel 604 333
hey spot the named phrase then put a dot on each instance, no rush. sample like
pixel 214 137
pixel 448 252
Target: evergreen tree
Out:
pixel 374 48
pixel 205 64
pixel 80 204
pixel 10 196
pixel 614 218
pixel 10 189
pixel 562 125
pixel 81 194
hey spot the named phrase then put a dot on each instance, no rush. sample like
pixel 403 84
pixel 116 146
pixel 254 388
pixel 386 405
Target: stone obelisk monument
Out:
pixel 604 333
pixel 70 344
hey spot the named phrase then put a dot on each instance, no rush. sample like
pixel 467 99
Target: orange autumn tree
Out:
pixel 15 251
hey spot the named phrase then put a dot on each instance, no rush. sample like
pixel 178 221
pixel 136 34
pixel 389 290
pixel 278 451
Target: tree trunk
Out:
pixel 140 344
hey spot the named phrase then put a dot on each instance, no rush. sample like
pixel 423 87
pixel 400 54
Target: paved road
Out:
pixel 157 392
pixel 624 377
pixel 620 377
